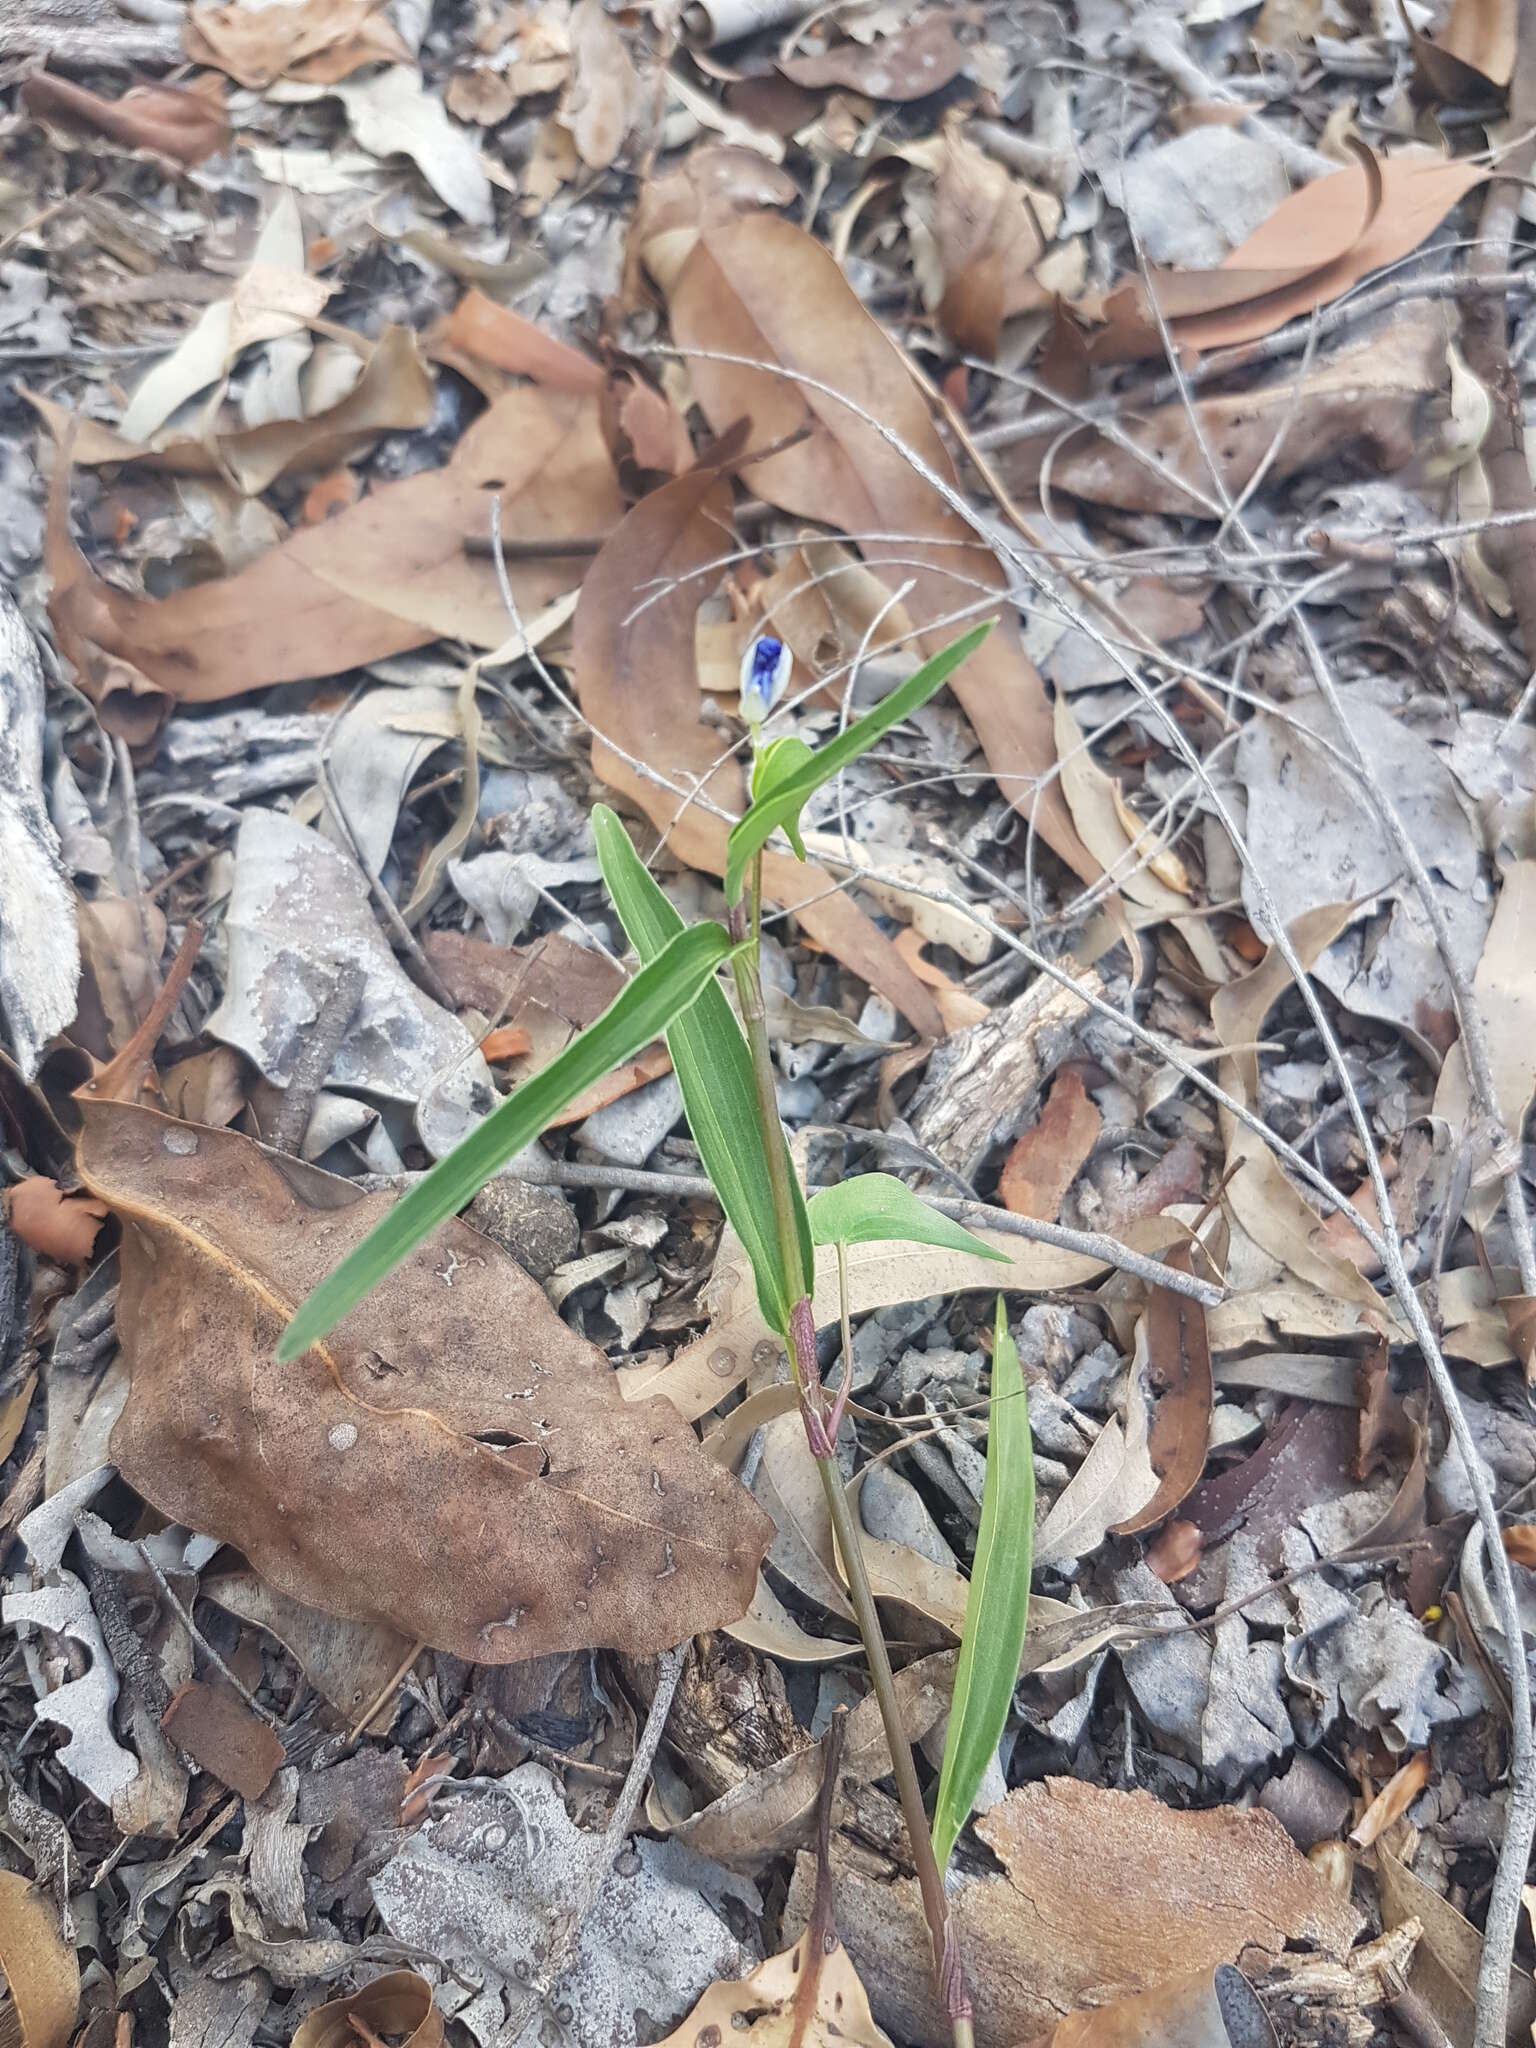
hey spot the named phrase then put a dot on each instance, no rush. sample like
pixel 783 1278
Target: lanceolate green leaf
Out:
pixel 714 1071
pixel 783 802
pixel 778 763
pixel 873 1207
pixel 997 1607
pixel 660 992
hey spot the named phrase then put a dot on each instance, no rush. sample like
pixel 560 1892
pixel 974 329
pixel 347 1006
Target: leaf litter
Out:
pixel 854 329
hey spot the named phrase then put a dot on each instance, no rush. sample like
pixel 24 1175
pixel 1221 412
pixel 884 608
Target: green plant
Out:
pixel 725 1071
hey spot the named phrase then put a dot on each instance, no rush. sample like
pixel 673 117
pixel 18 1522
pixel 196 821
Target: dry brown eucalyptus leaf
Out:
pixel 387 574
pixel 921 57
pixel 318 41
pixel 1179 1367
pixel 397 2005
pixel 634 677
pixel 187 126
pixel 762 290
pixel 454 1461
pixel 1314 246
pixel 37 1964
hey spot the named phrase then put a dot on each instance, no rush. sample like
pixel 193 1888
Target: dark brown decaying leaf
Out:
pixel 760 288
pixel 454 1462
pixel 1106 1895
pixel 1046 1159
pixel 1179 1366
pixel 388 574
pixel 318 41
pixel 186 126
pixel 215 1727
pixel 919 58
pixel 634 674
pixel 1314 246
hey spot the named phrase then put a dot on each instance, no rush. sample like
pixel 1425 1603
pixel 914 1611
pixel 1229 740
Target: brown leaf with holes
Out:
pixel 454 1461
pixel 1179 1367
pixel 761 289
pixel 188 125
pixel 57 1226
pixel 318 41
pixel 634 674
pixel 1048 1157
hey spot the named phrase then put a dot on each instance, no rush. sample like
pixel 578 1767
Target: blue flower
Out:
pixel 765 671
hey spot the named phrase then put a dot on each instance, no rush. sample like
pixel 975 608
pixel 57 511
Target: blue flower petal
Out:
pixel 765 671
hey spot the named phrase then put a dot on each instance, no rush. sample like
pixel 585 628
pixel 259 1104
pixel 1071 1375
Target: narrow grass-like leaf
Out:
pixel 714 1071
pixel 660 992
pixel 997 1607
pixel 876 1207
pixel 784 802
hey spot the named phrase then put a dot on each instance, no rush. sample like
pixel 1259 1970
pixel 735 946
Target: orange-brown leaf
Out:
pixel 57 1226
pixel 1318 243
pixel 1179 1365
pixel 1047 1158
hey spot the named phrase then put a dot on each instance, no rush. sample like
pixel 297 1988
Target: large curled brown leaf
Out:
pixel 1314 246
pixel 453 1462
pixel 634 675
pixel 388 574
pixel 761 288
pixel 187 126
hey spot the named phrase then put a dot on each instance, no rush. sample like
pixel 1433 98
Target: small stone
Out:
pixel 537 1226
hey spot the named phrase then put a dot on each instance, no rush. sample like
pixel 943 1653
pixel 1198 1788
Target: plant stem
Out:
pixel 845 1528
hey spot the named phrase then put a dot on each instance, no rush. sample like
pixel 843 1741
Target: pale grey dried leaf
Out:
pixel 392 113
pixel 489 1887
pixel 82 1706
pixel 39 946
pixel 300 910
pixel 1314 836
pixel 1192 200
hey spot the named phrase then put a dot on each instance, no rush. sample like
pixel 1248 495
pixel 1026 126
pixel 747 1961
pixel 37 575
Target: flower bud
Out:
pixel 765 671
